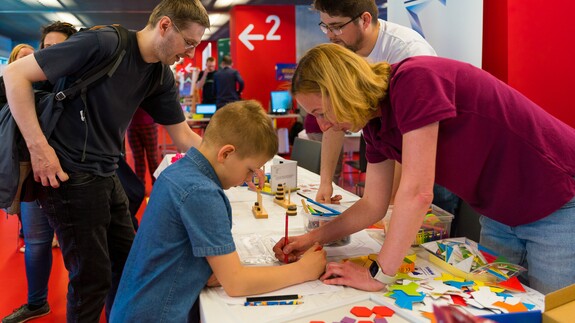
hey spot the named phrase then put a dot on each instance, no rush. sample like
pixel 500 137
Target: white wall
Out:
pixel 453 28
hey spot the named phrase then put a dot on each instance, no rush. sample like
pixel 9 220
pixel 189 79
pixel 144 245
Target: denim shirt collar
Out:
pixel 203 164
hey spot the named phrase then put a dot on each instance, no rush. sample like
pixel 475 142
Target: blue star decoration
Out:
pixel 457 284
pixel 405 295
pixel 405 301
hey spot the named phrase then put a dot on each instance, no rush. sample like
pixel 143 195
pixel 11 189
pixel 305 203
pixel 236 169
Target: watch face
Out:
pixel 373 269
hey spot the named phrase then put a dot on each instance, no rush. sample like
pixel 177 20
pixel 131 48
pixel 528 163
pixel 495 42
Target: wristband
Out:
pixel 377 274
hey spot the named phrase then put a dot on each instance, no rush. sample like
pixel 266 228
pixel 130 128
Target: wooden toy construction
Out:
pixel 281 200
pixel 291 210
pixel 258 208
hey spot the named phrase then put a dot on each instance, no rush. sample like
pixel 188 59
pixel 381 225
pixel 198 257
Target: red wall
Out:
pixel 257 66
pixel 530 45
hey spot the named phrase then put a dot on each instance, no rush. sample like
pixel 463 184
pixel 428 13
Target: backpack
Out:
pixel 15 165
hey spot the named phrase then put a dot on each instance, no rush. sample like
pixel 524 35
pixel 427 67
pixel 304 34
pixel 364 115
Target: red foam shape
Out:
pixel 512 284
pixel 361 311
pixel 458 300
pixel 383 310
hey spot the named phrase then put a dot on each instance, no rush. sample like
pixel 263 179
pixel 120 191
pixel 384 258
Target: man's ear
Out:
pixel 163 25
pixel 366 19
pixel 225 152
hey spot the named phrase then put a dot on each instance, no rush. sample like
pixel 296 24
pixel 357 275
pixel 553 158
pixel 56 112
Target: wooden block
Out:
pixel 283 203
pixel 259 212
pixel 258 209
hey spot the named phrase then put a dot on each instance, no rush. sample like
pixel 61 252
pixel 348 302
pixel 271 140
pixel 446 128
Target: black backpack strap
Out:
pixel 105 68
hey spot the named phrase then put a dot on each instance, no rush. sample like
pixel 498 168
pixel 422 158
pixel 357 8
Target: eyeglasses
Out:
pixel 189 45
pixel 336 30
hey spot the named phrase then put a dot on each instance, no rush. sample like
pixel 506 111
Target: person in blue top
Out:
pixel 228 83
pixel 185 235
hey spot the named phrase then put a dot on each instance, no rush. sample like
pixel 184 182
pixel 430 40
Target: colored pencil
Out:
pixel 272 298
pixel 273 303
pixel 286 258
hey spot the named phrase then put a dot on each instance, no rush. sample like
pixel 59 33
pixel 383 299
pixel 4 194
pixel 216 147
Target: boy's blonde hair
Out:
pixel 246 126
pixel 182 12
pixel 352 85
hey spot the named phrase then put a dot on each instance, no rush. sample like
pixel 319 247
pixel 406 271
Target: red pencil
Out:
pixel 286 258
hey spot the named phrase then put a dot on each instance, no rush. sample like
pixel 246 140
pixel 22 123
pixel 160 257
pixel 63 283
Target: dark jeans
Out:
pixel 445 199
pixel 90 216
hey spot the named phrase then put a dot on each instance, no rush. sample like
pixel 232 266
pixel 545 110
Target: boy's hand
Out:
pixel 294 249
pixel 261 179
pixel 313 261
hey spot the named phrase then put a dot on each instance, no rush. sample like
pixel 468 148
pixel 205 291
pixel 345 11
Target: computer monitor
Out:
pixel 206 109
pixel 281 102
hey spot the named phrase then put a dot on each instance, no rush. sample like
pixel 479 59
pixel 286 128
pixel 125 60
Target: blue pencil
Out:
pixel 272 303
pixel 334 212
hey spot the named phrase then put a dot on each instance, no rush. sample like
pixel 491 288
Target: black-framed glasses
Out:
pixel 336 30
pixel 188 44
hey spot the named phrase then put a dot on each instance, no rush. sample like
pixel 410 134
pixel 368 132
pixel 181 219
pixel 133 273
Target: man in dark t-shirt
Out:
pixel 206 81
pixel 76 165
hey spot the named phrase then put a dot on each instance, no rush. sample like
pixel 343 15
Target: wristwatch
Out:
pixel 377 274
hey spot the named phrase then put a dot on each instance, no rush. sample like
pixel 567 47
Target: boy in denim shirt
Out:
pixel 185 234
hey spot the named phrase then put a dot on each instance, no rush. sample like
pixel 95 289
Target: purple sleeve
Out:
pixel 420 96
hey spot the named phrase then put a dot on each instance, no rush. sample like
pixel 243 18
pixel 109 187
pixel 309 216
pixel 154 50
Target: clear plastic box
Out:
pixel 312 222
pixel 435 226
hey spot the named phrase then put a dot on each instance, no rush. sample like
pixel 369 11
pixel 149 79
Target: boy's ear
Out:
pixel 225 152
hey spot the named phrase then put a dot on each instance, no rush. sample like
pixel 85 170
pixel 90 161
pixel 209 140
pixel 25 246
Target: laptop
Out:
pixel 281 102
pixel 206 109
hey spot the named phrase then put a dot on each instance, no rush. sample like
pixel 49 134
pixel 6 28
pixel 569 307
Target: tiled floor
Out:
pixel 12 271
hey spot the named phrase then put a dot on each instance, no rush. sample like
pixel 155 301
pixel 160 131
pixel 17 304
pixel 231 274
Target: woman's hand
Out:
pixel 294 249
pixel 352 275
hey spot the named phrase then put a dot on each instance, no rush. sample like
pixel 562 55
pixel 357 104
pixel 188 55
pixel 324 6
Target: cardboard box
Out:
pixel 560 306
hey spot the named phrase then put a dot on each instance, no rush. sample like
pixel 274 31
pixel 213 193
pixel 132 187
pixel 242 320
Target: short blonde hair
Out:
pixel 182 12
pixel 246 126
pixel 353 86
pixel 17 50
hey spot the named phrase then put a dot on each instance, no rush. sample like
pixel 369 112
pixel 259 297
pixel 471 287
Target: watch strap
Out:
pixel 377 274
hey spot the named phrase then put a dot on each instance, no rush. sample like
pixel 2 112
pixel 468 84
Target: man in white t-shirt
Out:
pixel 354 25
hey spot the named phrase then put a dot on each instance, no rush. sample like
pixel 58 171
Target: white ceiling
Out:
pixel 22 20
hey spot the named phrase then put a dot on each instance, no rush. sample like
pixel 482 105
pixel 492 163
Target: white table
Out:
pixel 216 306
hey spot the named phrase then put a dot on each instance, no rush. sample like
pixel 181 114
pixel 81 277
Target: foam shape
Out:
pixel 409 289
pixel 519 307
pixel 361 311
pixel 447 277
pixel 458 300
pixel 429 316
pixel 512 284
pixel 383 310
pixel 346 319
pixel 406 301
pixel 458 284
pixel 441 288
